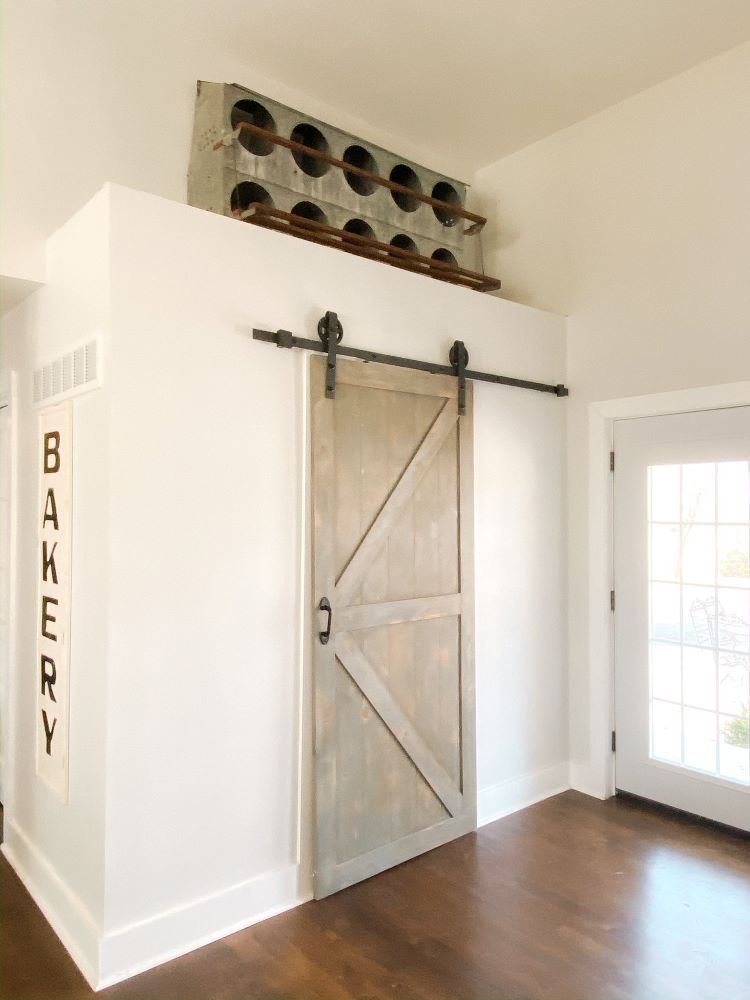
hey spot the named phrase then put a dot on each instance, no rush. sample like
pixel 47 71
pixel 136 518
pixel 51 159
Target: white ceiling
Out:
pixel 482 77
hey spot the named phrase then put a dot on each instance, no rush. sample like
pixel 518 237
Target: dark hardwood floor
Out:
pixel 572 899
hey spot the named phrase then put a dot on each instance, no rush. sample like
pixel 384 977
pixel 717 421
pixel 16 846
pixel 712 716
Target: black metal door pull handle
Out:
pixel 325 605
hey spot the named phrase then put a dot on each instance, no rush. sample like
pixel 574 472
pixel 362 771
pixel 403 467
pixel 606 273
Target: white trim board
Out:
pixel 597 775
pixel 65 912
pixel 106 959
pixel 129 950
pixel 509 796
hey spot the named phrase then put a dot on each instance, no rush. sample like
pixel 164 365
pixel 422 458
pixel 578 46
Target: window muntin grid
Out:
pixel 699 616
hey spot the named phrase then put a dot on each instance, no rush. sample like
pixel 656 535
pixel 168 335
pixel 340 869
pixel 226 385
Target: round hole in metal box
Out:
pixel 405 176
pixel 444 191
pixel 246 193
pixel 307 210
pixel 404 242
pixel 358 156
pixel 360 228
pixel 310 136
pixel 253 113
pixel 445 256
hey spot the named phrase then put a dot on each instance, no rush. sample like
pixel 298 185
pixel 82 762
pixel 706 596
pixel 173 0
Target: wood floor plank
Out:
pixel 571 899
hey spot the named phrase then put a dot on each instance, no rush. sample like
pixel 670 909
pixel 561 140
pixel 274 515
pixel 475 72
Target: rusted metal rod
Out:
pixel 318 232
pixel 278 140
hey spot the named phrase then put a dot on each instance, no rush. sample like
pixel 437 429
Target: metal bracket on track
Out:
pixel 330 332
pixel 459 359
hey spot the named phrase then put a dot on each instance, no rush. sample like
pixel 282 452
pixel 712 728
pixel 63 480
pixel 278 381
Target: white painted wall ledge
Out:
pixel 510 796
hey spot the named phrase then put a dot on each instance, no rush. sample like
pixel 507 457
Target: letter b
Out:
pixel 52 452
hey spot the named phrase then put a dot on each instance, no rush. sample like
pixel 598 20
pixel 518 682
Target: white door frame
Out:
pixel 600 780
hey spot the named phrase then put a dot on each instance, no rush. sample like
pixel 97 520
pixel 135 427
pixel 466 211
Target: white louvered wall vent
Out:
pixel 70 374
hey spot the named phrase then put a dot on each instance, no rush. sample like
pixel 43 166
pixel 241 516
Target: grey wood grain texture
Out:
pixel 392 612
pixel 396 852
pixel 394 506
pixel 375 376
pixel 402 718
pixel 466 557
pixel 380 697
pixel 324 666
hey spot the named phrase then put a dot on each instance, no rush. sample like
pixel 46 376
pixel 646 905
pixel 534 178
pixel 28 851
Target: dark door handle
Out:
pixel 325 605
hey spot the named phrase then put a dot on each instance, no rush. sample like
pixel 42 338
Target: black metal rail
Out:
pixel 332 346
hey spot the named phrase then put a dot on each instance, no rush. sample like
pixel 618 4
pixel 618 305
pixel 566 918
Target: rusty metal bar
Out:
pixel 318 232
pixel 278 140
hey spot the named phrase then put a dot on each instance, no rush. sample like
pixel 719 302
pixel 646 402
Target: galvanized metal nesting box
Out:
pixel 228 173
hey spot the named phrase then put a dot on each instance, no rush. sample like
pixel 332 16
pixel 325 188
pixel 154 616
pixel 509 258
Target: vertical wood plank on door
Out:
pixel 426 634
pixel 351 826
pixel 449 715
pixel 377 480
pixel 466 564
pixel 324 676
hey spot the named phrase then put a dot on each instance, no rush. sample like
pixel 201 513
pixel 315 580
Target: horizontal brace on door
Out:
pixel 283 338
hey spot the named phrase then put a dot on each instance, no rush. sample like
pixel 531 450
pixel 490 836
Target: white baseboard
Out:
pixel 68 916
pixel 517 793
pixel 127 951
pixel 130 950
pixel 105 959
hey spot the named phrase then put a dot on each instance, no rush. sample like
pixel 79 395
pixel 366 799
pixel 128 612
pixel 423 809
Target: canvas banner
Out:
pixel 55 463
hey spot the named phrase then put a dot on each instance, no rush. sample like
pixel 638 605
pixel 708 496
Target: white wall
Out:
pixel 59 849
pixel 92 92
pixel 635 223
pixel 203 489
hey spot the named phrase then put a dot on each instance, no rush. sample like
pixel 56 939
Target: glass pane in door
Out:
pixel 699 600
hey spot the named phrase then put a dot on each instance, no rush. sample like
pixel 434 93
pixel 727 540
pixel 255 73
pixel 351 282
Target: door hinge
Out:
pixel 611 600
pixel 611 461
pixel 614 741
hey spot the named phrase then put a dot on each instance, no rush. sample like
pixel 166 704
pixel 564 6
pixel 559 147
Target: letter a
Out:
pixel 50 510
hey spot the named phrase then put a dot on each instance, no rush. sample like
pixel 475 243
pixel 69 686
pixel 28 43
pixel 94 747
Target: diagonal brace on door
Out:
pixel 402 492
pixel 372 687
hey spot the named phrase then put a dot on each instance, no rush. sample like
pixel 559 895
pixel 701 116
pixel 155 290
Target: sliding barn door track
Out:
pixel 331 332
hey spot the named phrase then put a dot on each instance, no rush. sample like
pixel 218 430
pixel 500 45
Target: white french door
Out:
pixel 682 618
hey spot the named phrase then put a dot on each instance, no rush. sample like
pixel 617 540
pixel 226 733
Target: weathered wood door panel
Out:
pixel 394 686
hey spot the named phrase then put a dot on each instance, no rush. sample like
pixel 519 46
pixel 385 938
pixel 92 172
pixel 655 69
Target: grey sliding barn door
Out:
pixel 394 726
